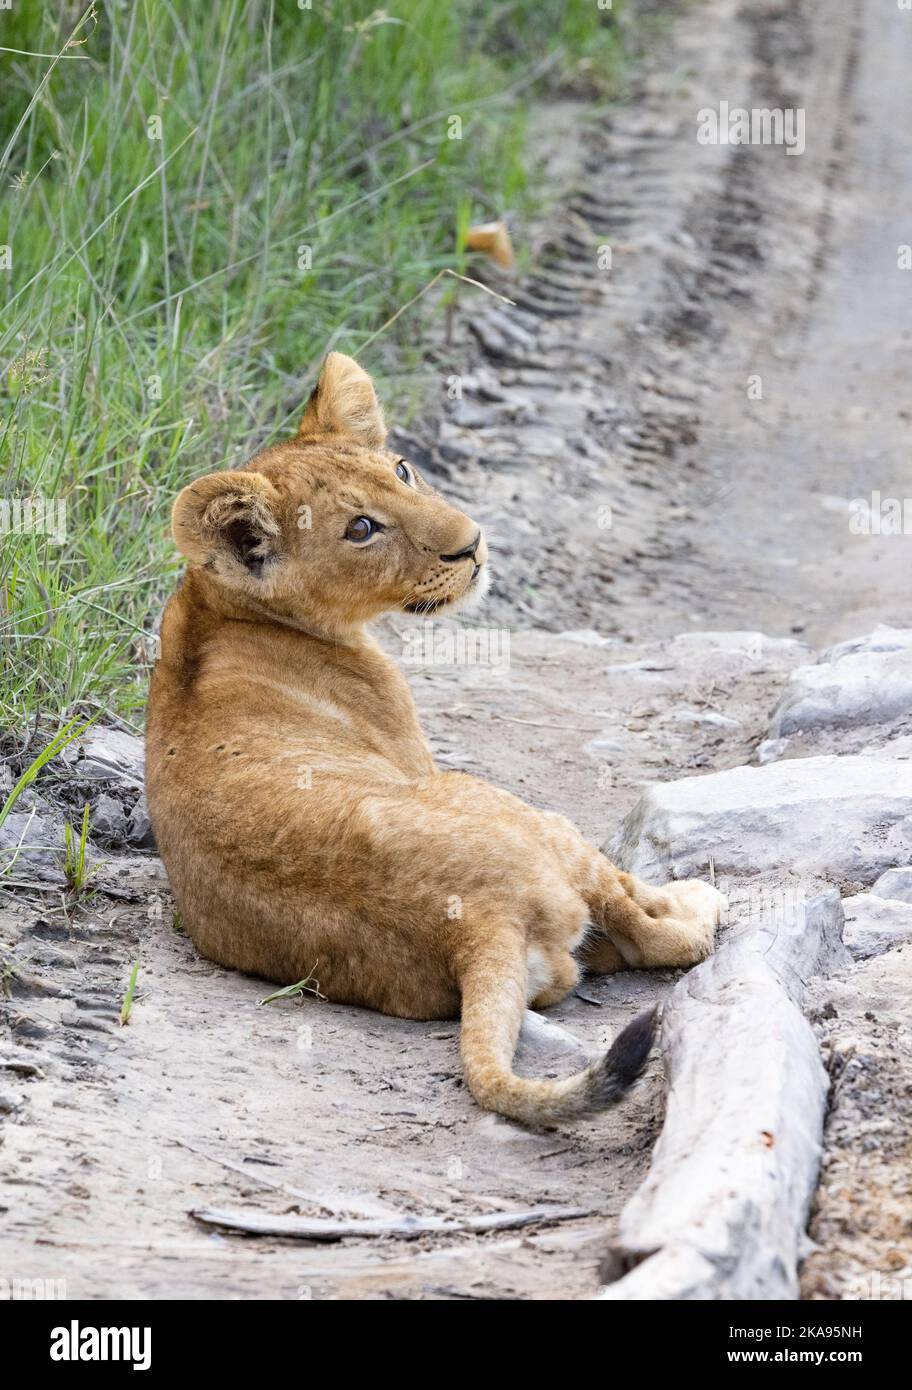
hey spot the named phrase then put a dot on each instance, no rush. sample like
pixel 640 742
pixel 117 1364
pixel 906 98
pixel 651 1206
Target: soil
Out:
pixel 637 496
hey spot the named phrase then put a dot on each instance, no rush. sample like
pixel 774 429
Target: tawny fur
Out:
pixel 300 816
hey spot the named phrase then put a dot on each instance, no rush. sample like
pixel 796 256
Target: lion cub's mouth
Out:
pixel 424 606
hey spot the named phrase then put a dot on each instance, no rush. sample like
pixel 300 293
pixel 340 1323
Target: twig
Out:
pixel 32 884
pixel 253 1223
pixel 544 724
pixel 273 1183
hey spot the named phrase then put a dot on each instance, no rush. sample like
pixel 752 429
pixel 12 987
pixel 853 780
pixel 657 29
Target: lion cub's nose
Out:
pixel 467 552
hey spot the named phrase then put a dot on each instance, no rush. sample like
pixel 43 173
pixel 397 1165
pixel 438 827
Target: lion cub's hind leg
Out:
pixel 599 954
pixel 551 974
pixel 671 926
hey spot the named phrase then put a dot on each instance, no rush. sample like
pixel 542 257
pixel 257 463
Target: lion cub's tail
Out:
pixel 493 1004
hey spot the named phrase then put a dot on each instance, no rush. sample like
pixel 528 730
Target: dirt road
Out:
pixel 667 447
pixel 740 375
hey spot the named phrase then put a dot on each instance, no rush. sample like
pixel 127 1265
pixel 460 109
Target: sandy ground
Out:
pixel 125 1130
pixel 631 485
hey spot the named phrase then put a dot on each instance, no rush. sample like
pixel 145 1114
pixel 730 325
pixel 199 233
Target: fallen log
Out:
pixel 722 1211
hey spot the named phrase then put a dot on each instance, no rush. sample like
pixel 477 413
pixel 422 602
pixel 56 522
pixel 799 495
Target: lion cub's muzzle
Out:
pixel 455 576
pixel 476 554
pixel 468 552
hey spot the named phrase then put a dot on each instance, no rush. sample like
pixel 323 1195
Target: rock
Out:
pixel 770 750
pixel 683 714
pixel 545 1048
pixel 109 754
pixel 107 820
pixel 588 637
pixel 853 685
pixel 9 1101
pixel 139 827
pixel 875 924
pixel 846 818
pixel 883 639
pixel 22 1067
pixel 32 845
pixel 722 1211
pixel 895 883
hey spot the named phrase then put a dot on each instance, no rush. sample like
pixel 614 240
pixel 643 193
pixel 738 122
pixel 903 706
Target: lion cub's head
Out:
pixel 331 527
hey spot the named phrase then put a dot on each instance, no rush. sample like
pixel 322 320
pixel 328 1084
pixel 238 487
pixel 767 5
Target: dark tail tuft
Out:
pixel 624 1062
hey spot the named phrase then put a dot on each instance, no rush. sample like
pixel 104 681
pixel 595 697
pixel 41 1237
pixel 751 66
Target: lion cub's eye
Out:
pixel 361 529
pixel 405 473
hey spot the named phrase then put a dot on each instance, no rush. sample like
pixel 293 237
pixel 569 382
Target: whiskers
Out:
pixel 421 606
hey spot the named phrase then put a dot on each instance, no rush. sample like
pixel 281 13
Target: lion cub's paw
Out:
pixel 700 906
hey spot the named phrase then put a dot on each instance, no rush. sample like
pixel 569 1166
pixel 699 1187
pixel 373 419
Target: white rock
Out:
pixel 847 818
pixel 883 639
pixel 683 714
pixel 770 750
pixel 875 924
pixel 857 688
pixel 588 637
pixel 895 883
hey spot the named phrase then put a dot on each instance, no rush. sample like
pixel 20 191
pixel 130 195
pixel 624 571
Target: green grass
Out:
pixel 126 1007
pixel 76 868
pixel 64 736
pixel 72 730
pixel 159 323
pixel 310 985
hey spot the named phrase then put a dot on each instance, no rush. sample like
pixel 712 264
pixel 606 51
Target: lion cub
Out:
pixel 298 810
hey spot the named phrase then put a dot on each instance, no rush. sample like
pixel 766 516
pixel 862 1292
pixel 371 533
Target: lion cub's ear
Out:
pixel 228 521
pixel 344 402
